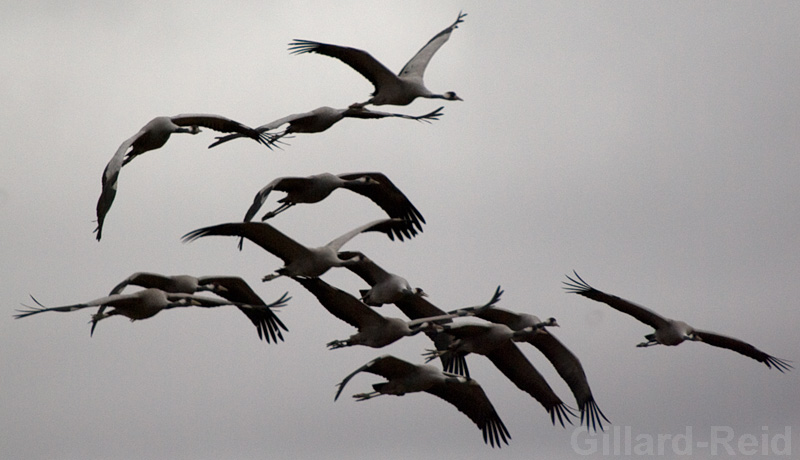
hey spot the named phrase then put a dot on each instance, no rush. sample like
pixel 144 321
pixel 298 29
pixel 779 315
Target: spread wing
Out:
pixel 220 124
pixel 743 348
pixel 645 315
pixel 416 66
pixel 361 61
pixel 261 314
pixel 514 365
pixel 260 233
pixel 341 304
pixel 570 369
pixel 385 194
pixel 470 399
pixel 109 182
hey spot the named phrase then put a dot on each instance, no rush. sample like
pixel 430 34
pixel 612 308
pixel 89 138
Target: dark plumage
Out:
pixel 375 330
pixel 299 260
pixel 232 288
pixel 322 118
pixel 565 362
pixel 153 136
pixel 462 392
pixel 496 342
pixel 313 189
pixel 400 89
pixel 672 332
pixel 146 303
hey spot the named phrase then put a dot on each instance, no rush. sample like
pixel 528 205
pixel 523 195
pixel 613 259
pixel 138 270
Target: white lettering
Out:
pixel 787 443
pixel 644 445
pixel 620 441
pixel 746 444
pixel 687 443
pixel 715 430
pixel 662 440
pixel 627 440
pixel 591 443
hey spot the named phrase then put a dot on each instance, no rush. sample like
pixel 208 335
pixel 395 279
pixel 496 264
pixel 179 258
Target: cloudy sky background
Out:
pixel 651 147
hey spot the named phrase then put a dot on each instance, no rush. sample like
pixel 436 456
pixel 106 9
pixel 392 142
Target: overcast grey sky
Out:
pixel 652 147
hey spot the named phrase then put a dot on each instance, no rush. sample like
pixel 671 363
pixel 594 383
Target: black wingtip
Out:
pixel 460 19
pixel 780 364
pixel 576 286
pixel 593 416
pixel 495 431
pixel 562 411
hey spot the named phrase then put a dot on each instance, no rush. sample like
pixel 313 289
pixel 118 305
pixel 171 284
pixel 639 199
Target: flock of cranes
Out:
pixel 493 332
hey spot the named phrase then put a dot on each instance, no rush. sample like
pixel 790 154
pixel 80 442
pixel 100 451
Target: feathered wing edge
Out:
pixel 743 348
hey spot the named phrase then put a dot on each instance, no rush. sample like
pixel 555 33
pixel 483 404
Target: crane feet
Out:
pixel 365 396
pixel 98 316
pixel 338 344
pixel 430 355
pixel 95 319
